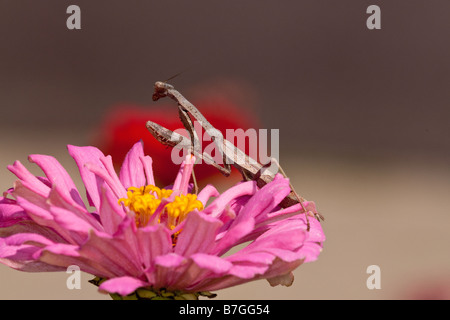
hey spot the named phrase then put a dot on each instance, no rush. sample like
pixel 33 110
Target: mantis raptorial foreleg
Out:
pixel 176 140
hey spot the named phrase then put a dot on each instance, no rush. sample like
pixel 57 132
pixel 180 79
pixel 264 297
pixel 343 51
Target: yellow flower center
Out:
pixel 145 201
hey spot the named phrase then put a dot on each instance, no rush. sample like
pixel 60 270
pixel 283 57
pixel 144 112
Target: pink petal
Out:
pixel 30 266
pixel 310 251
pixel 61 249
pixel 280 268
pixel 219 283
pixel 122 285
pixel 30 227
pixel 132 172
pixel 184 175
pixel 288 236
pixel 18 250
pixel 71 222
pixel 252 257
pixel 15 247
pixel 206 193
pixel 257 258
pixel 165 270
pixel 92 183
pixel 58 199
pixel 198 234
pixel 153 241
pixel 39 212
pixel 22 259
pixel 25 190
pixel 198 268
pixel 288 212
pixel 10 213
pixel 265 200
pixel 147 163
pixel 105 172
pixel 216 208
pixel 58 177
pixel 232 236
pixel 248 271
pixel 30 179
pixel 111 215
pixel 316 233
pixel 64 255
pixel 211 263
pixel 115 254
pixel 27 238
pixel 170 260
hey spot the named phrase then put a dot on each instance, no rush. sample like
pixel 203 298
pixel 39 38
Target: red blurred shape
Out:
pixel 125 124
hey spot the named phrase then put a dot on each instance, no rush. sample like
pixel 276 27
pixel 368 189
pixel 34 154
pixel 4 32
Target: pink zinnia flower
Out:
pixel 140 237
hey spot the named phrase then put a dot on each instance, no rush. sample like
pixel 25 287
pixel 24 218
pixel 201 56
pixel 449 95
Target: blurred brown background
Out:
pixel 363 117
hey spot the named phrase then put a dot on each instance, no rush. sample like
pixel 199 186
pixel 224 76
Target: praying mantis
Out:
pixel 249 168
